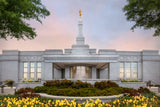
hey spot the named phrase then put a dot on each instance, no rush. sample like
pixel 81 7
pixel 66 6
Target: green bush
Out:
pixel 112 84
pixel 40 89
pixel 9 83
pixel 105 84
pixel 79 88
pixel 66 83
pixel 144 90
pixel 78 92
pixel 101 85
pixel 79 84
pixel 55 83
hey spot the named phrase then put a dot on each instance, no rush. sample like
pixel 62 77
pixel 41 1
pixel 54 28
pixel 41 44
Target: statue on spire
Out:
pixel 80 13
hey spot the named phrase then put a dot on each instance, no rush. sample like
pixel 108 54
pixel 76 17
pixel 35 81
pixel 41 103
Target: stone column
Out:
pixel 104 74
pixel 57 74
pixel 139 71
pixel 67 72
pixel 114 71
pixel 20 71
pixel 48 70
pixel 28 70
pixel 94 73
pixel 35 70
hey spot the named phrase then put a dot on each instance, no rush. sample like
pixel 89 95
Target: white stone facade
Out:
pixel 106 64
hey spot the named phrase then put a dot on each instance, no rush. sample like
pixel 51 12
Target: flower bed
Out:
pixel 83 89
pixel 131 80
pixel 136 101
pixel 83 92
pixel 26 80
pixel 79 88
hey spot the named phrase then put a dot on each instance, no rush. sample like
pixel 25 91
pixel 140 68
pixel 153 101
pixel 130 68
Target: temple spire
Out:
pixel 80 38
pixel 80 13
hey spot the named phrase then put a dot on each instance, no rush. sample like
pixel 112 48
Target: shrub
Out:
pixel 26 92
pixel 79 84
pixel 55 83
pixel 40 89
pixel 131 92
pixel 9 83
pixel 105 84
pixel 112 84
pixel 79 92
pixel 144 90
pixel 66 83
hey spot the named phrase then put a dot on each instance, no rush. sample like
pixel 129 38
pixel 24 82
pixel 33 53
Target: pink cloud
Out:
pixel 52 34
pixel 135 41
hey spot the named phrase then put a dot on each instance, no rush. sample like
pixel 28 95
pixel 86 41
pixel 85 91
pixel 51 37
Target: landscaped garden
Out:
pixel 79 88
pixel 127 101
pixel 28 97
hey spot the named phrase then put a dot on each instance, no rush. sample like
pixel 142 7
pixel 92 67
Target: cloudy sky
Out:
pixel 105 27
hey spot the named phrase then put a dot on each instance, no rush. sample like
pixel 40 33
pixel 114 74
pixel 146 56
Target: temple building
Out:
pixel 80 62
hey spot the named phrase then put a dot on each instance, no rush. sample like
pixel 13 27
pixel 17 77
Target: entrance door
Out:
pixel 81 72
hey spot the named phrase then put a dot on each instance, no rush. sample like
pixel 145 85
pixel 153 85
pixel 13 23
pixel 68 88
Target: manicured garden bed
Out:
pixel 79 88
pixel 84 89
pixel 83 92
pixel 25 97
pixel 135 101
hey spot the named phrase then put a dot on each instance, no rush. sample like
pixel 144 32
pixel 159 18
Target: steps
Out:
pixel 155 90
pixel 8 90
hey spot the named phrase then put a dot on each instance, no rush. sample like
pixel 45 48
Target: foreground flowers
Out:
pixel 137 101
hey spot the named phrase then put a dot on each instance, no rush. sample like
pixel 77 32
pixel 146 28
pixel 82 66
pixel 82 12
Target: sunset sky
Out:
pixel 105 27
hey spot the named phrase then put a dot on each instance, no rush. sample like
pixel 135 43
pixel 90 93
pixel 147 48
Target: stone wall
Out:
pixel 134 85
pixel 31 85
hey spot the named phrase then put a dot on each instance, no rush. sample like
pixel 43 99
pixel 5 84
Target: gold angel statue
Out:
pixel 80 13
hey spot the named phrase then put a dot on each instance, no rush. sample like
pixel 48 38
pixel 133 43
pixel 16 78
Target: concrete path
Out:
pixel 155 90
pixel 102 98
pixel 158 94
pixel 8 90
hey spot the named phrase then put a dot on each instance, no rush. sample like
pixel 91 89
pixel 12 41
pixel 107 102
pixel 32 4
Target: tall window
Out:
pixel 39 69
pixel 121 70
pixel 25 70
pixel 128 70
pixel 32 69
pixel 134 70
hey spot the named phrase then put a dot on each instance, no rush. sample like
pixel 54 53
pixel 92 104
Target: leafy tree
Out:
pixel 15 13
pixel 145 13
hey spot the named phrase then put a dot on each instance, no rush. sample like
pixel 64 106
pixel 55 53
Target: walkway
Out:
pixel 8 90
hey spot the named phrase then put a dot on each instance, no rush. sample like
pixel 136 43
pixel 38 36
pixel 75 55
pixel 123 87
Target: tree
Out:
pixel 15 13
pixel 145 13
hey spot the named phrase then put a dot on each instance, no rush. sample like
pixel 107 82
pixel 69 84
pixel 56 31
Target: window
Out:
pixel 25 70
pixel 134 70
pixel 129 70
pixel 121 70
pixel 32 69
pixel 39 68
